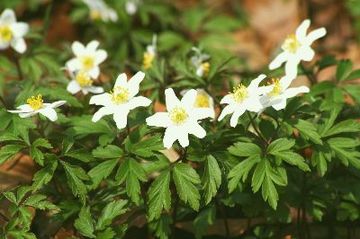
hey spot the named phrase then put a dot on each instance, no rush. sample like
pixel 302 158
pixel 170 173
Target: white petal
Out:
pixel 159 119
pixel 19 29
pixel 291 92
pixel 25 107
pixel 314 35
pixel 73 65
pixel 100 56
pixel 121 119
pixel 302 29
pixel 183 138
pixel 189 98
pixel 265 89
pixel 94 72
pixel 19 45
pixel 170 136
pixel 49 113
pixel 28 114
pixel 134 83
pixel 197 130
pixel 202 113
pixel 229 109
pixel 291 67
pixel 281 105
pixel 73 87
pixel 103 99
pixel 227 99
pixel 139 101
pixel 171 99
pixel 7 17
pixel 121 80
pixel 255 83
pixel 92 46
pixel 253 104
pixel 78 48
pixel 95 89
pixel 307 54
pixel 57 104
pixel 235 117
pixel 279 59
pixel 102 112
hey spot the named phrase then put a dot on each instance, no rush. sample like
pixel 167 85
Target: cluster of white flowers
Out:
pixel 99 10
pixel 183 117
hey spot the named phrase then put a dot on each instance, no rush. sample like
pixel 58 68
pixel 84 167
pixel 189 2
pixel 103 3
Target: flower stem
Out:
pixel 256 128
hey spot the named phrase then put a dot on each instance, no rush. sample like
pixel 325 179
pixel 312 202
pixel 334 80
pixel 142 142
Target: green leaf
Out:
pixel 321 161
pixel 211 178
pixel 80 154
pixel 346 155
pixel 242 149
pixel 293 159
pixel 84 224
pixel 203 220
pixel 269 192
pixel 259 175
pixel 241 171
pixel 42 143
pixel 147 147
pixel 159 195
pixel 330 121
pixel 343 69
pixel 108 152
pixel 43 176
pixel 186 181
pixel 308 131
pixel 37 155
pixel 101 171
pixel 280 145
pixel 39 201
pixel 75 175
pixel 132 172
pixel 354 75
pixel 8 151
pixel 346 126
pixel 111 210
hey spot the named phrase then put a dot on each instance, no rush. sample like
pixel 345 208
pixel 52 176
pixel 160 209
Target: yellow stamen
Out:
pixel 276 90
pixel 83 79
pixel 148 60
pixel 5 33
pixel 88 62
pixel 120 95
pixel 35 102
pixel 240 93
pixel 178 115
pixel 202 100
pixel 205 67
pixel 95 14
pixel 291 44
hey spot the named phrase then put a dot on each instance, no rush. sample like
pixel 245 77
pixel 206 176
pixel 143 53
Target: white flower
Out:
pixel 131 6
pixel 241 99
pixel 99 10
pixel 297 47
pixel 200 62
pixel 87 59
pixel 35 105
pixel 150 54
pixel 81 81
pixel 181 118
pixel 121 100
pixel 277 93
pixel 203 100
pixel 11 32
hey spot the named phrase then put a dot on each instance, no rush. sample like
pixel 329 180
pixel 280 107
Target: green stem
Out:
pixel 256 128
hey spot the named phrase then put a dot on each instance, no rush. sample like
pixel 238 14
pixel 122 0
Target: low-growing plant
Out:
pixel 164 143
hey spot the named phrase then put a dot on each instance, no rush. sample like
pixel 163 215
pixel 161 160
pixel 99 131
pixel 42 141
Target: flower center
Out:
pixel 120 95
pixel 5 33
pixel 35 102
pixel 148 60
pixel 95 14
pixel 291 44
pixel 276 90
pixel 178 115
pixel 88 62
pixel 240 93
pixel 202 101
pixel 205 67
pixel 83 79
